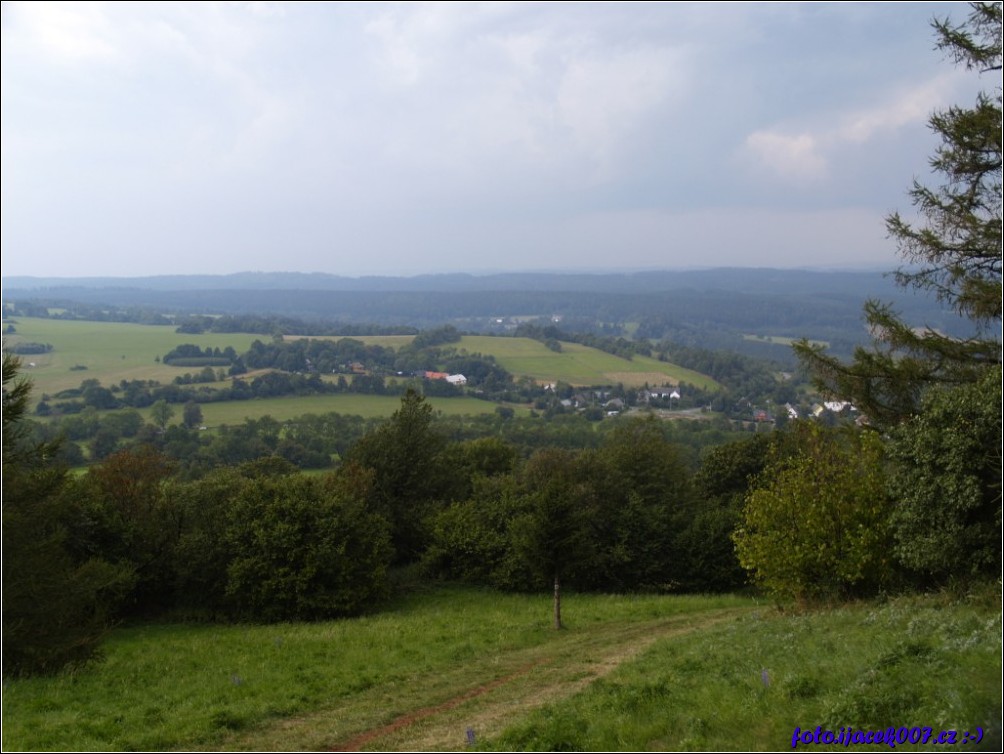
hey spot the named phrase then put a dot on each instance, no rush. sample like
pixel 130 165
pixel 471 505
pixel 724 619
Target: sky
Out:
pixel 408 138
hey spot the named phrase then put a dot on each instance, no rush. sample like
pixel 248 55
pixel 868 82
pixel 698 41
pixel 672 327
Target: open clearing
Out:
pixel 630 673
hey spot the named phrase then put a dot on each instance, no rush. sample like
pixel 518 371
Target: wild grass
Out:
pixel 629 673
pixel 189 686
pixel 746 685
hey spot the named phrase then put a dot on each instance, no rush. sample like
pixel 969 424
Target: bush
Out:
pixel 817 525
pixel 305 548
pixel 946 480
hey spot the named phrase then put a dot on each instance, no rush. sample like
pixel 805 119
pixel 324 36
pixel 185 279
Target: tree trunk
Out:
pixel 557 603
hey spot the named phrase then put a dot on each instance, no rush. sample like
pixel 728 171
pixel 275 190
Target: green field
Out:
pixel 354 404
pixel 580 365
pixel 111 351
pixel 629 673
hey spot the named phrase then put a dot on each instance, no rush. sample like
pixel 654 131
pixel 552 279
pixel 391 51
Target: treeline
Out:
pixel 318 441
pixel 551 335
pixel 195 324
pixel 132 538
pixel 716 318
pixel 631 508
pixel 279 325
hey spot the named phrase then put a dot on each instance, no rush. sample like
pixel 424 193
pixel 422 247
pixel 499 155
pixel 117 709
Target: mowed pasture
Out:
pixel 576 364
pixel 352 404
pixel 580 365
pixel 111 351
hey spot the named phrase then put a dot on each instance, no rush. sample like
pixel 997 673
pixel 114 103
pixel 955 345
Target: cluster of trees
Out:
pixel 550 335
pixel 250 540
pixel 188 355
pixel 130 539
pixel 25 349
pixel 918 495
pixel 276 325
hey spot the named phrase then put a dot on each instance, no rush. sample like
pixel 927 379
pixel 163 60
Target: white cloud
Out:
pixel 910 106
pixel 806 156
pixel 604 97
pixel 62 33
pixel 795 158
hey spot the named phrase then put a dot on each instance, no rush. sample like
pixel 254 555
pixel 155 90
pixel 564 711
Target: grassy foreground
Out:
pixel 435 668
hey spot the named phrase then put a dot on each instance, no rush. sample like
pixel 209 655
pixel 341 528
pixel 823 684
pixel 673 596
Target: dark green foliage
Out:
pixel 57 601
pixel 708 561
pixel 601 520
pixel 552 536
pixel 191 414
pixel 437 337
pixel 468 461
pixel 409 476
pixel 643 494
pixel 947 482
pixel 817 523
pixel 304 548
pixel 470 540
pixel 26 349
pixel 202 551
pixel 133 523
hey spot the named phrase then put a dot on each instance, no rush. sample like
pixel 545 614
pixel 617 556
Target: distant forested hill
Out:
pixel 711 308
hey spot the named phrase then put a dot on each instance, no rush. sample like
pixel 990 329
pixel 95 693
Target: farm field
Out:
pixel 580 365
pixel 353 404
pixel 111 351
pixel 445 664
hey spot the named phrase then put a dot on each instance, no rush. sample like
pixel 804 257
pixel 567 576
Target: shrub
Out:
pixel 817 525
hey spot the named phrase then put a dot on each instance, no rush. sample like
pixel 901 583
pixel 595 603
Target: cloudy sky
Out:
pixel 157 138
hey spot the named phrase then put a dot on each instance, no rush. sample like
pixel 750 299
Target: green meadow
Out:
pixel 580 365
pixel 354 404
pixel 114 351
pixel 436 668
pixel 110 351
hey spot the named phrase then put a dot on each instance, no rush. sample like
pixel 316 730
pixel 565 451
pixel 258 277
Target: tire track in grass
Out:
pixel 403 721
pixel 486 709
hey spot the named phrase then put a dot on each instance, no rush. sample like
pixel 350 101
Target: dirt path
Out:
pixel 495 693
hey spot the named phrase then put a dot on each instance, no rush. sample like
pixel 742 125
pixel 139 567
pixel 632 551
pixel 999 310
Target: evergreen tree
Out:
pixel 405 455
pixel 56 600
pixel 938 398
pixel 954 252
